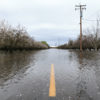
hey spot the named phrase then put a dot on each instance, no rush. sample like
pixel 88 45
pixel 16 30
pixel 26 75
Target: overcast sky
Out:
pixel 55 21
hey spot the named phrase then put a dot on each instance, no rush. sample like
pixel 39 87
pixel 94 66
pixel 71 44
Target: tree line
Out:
pixel 17 38
pixel 90 41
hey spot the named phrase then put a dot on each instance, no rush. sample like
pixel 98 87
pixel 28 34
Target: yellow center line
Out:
pixel 52 88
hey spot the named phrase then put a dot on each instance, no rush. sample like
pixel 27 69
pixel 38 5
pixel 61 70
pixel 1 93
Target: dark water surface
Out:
pixel 26 75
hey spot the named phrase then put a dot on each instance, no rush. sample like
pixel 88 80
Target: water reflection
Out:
pixel 83 78
pixel 77 75
pixel 12 63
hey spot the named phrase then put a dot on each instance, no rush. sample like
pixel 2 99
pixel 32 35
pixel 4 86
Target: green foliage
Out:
pixel 45 43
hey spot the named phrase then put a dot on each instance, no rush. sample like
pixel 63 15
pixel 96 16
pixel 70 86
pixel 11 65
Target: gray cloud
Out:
pixel 49 20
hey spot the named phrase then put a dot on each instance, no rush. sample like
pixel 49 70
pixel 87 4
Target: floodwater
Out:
pixel 26 75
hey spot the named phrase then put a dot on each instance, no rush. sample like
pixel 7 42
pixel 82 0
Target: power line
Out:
pixel 90 20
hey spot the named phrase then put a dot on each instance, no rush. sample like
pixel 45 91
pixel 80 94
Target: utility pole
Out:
pixel 81 8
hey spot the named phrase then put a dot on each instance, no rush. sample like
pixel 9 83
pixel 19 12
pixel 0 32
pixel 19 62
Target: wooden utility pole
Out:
pixel 81 8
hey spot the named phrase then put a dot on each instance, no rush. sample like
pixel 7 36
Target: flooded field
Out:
pixel 26 75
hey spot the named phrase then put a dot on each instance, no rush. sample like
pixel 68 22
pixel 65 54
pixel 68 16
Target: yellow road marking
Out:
pixel 52 88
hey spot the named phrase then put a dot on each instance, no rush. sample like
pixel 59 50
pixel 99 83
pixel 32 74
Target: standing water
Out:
pixel 26 75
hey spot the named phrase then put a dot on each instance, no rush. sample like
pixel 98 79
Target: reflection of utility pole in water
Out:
pixel 81 8
pixel 80 59
pixel 81 93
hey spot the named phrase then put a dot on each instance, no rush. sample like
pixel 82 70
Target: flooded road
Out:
pixel 26 75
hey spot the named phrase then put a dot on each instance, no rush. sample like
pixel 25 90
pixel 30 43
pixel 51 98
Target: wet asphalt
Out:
pixel 26 75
